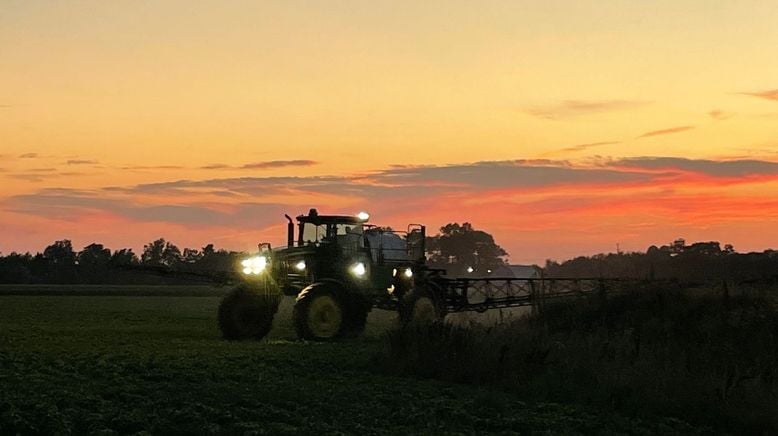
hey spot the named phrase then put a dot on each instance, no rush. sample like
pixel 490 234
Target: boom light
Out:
pixel 363 216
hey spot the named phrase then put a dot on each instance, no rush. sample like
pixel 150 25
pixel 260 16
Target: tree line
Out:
pixel 161 262
pixel 460 249
pixel 700 261
pixel 456 248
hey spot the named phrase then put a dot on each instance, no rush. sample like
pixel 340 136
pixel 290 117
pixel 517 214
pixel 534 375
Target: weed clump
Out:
pixel 705 357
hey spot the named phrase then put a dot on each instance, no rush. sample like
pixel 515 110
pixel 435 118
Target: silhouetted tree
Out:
pixel 124 257
pixel 61 260
pixel 191 256
pixel 152 253
pixel 15 268
pixel 171 255
pixel 160 253
pixel 93 263
pixel 460 247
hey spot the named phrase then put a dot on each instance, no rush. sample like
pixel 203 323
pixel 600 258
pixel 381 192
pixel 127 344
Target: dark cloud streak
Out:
pixel 771 94
pixel 573 108
pixel 262 165
pixel 667 131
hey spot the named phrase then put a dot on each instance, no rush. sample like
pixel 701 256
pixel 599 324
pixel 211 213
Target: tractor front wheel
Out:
pixel 247 312
pixel 319 314
pixel 325 312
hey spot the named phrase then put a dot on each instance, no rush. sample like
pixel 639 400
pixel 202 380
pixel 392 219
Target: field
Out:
pixel 119 364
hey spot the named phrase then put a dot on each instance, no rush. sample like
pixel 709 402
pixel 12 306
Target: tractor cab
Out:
pixel 346 231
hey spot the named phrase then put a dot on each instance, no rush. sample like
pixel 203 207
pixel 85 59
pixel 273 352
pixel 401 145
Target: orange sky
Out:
pixel 562 127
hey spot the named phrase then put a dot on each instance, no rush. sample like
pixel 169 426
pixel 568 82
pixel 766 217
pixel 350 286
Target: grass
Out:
pixel 130 365
pixel 115 290
pixel 696 355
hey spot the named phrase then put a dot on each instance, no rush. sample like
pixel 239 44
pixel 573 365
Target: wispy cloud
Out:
pixel 215 166
pixel 262 165
pixel 582 147
pixel 81 162
pixel 667 131
pixel 719 115
pixel 151 167
pixel 573 108
pixel 28 156
pixel 771 94
pixel 279 164
pixel 714 168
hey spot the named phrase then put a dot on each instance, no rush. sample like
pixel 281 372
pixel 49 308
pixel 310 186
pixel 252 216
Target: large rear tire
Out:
pixel 247 312
pixel 326 312
pixel 422 305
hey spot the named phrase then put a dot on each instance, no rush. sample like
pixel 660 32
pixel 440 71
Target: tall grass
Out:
pixel 706 357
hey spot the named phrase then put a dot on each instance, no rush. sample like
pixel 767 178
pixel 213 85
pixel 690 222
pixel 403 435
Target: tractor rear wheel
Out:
pixel 247 312
pixel 422 305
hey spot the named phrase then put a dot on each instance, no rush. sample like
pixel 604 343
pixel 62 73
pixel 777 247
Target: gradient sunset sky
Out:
pixel 562 127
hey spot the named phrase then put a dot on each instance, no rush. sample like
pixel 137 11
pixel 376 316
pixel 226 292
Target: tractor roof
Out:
pixel 314 218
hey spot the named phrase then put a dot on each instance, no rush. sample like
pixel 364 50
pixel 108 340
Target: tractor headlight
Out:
pixel 408 273
pixel 358 269
pixel 300 266
pixel 254 265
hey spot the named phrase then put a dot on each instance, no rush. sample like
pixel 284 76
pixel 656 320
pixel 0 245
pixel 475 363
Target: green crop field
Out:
pixel 89 364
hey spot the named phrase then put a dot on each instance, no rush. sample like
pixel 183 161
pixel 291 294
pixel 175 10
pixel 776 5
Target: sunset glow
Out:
pixel 561 127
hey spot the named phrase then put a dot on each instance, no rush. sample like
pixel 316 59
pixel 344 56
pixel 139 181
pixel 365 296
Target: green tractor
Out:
pixel 338 268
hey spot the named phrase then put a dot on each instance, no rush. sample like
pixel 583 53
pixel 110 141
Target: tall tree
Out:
pixel 93 263
pixel 461 249
pixel 124 257
pixel 161 253
pixel 61 262
pixel 152 253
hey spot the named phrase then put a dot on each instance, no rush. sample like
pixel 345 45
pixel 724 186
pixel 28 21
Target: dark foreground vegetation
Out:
pixel 707 357
pixel 128 365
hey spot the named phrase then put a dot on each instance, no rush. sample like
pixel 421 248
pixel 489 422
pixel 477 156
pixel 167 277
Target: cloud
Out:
pixel 581 147
pixel 719 115
pixel 714 168
pixel 71 204
pixel 81 162
pixel 279 164
pixel 31 177
pixel 771 94
pixel 667 131
pixel 573 108
pixel 28 156
pixel 151 167
pixel 216 166
pixel 261 165
pixel 507 174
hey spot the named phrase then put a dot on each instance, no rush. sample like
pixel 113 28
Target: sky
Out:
pixel 562 127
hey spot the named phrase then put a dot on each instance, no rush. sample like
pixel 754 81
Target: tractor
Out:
pixel 338 267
